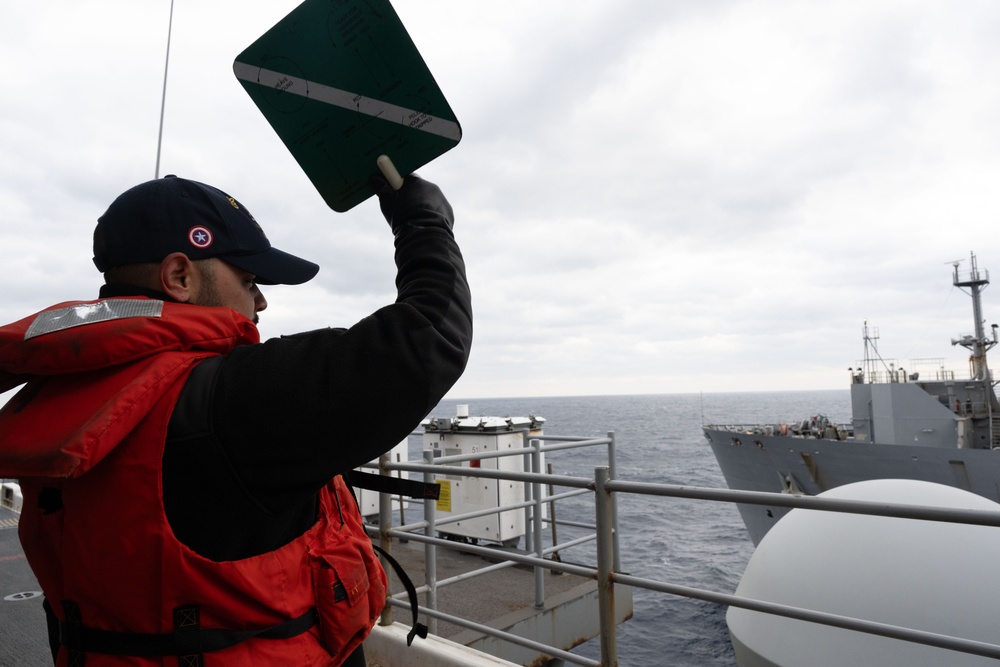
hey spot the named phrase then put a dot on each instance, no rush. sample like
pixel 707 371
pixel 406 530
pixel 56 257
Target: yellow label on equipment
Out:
pixel 444 500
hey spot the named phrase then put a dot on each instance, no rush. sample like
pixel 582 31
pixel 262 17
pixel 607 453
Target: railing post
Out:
pixel 613 473
pixel 605 568
pixel 537 527
pixel 529 510
pixel 384 526
pixel 430 551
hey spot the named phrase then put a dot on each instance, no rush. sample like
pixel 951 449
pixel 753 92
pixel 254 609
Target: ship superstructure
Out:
pixel 906 424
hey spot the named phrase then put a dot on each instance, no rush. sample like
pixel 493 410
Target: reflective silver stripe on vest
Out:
pixel 89 313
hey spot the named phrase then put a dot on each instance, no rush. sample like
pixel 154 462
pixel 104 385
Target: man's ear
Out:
pixel 177 277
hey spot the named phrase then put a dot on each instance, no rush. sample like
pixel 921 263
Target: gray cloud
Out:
pixel 651 196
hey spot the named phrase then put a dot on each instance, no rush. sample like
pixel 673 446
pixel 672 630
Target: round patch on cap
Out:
pixel 200 237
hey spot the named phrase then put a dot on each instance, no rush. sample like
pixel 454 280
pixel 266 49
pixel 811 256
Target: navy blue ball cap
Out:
pixel 172 214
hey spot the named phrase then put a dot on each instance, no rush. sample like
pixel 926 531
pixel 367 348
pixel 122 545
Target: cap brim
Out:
pixel 275 267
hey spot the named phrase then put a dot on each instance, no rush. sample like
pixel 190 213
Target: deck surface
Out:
pixel 23 638
pixel 482 599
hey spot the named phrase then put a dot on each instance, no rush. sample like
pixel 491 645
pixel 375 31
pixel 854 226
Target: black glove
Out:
pixel 418 203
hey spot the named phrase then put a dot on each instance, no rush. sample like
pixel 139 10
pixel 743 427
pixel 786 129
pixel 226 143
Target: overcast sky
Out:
pixel 652 196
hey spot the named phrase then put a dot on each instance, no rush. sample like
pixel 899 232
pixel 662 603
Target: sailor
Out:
pixel 182 498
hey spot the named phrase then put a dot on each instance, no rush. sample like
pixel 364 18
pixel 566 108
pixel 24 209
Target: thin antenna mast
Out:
pixel 163 100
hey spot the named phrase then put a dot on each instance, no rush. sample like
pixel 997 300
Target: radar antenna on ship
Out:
pixel 978 344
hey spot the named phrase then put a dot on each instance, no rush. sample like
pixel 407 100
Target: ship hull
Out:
pixel 774 463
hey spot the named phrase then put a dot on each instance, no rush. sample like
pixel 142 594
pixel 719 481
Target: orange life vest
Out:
pixel 89 429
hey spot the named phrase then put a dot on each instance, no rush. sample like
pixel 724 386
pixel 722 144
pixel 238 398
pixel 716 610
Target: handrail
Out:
pixel 897 510
pixel 607 569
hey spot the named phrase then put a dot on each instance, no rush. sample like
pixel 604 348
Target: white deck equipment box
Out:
pixel 460 494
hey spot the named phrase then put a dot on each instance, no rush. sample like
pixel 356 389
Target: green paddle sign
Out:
pixel 342 83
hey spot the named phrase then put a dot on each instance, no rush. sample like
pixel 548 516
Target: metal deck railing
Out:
pixel 603 489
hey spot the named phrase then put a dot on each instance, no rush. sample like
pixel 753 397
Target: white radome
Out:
pixel 928 575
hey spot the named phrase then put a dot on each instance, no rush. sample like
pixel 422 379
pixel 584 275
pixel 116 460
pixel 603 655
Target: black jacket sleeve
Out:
pixel 290 413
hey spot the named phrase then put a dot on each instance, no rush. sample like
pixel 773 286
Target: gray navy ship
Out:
pixel 939 429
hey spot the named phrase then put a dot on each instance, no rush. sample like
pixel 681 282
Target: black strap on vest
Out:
pixel 396 486
pixel 188 641
pixel 416 628
pixel 405 487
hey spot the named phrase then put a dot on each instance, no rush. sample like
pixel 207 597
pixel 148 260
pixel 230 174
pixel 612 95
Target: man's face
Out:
pixel 222 284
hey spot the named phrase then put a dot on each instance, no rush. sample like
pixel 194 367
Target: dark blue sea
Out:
pixel 693 543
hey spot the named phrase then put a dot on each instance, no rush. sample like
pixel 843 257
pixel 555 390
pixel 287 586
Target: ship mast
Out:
pixel 871 354
pixel 978 343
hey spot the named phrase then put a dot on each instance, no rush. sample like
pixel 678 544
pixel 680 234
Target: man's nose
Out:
pixel 259 302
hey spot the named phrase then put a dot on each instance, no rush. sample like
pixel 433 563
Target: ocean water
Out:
pixel 693 543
